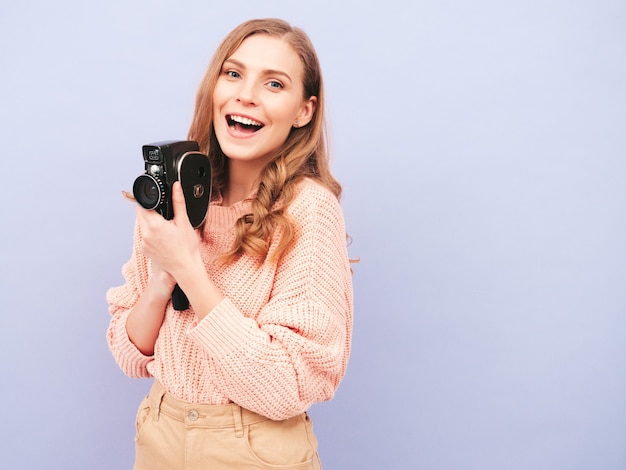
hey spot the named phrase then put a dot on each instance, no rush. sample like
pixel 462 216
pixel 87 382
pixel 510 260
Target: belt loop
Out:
pixel 238 420
pixel 158 393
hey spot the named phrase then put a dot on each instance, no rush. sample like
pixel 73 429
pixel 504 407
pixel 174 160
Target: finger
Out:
pixel 139 212
pixel 178 203
pixel 148 219
pixel 144 214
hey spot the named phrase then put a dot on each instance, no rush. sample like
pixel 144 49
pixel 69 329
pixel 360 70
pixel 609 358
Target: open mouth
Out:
pixel 243 124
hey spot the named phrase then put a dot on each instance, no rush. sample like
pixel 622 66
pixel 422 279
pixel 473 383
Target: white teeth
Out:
pixel 245 121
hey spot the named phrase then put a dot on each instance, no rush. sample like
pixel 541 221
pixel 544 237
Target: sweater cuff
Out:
pixel 223 330
pixel 131 359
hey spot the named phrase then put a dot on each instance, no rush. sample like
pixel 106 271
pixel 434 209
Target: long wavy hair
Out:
pixel 305 152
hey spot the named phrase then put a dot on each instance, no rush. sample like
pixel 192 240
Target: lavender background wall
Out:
pixel 482 149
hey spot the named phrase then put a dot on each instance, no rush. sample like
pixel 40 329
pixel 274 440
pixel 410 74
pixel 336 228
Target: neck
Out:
pixel 243 178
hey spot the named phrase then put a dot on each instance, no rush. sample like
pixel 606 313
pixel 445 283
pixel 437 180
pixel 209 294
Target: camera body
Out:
pixel 167 162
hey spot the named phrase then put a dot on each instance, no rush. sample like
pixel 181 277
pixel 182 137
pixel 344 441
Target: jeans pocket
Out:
pixel 142 416
pixel 287 444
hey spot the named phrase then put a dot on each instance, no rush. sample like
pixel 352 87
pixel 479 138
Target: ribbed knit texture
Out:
pixel 278 342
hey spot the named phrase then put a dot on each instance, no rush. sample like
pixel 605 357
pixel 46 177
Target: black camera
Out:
pixel 165 163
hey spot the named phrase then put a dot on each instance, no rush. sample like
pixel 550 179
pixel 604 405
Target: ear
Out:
pixel 306 112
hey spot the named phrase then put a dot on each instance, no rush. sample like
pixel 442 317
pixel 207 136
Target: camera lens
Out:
pixel 149 191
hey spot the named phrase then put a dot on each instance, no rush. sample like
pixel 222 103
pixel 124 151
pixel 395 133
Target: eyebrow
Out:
pixel 265 72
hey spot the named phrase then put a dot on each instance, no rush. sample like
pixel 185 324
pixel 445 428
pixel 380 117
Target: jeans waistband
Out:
pixel 201 414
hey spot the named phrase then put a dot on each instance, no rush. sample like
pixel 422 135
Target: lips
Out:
pixel 243 124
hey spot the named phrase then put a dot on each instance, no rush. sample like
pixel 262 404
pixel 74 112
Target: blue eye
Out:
pixel 232 74
pixel 275 84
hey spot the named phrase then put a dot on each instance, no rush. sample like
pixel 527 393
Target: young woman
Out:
pixel 267 276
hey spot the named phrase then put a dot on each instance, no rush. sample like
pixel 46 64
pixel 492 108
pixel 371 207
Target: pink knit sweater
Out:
pixel 280 339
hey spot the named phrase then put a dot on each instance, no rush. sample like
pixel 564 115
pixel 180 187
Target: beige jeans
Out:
pixel 173 434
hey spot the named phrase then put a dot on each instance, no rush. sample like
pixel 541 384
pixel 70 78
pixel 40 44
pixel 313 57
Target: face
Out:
pixel 258 98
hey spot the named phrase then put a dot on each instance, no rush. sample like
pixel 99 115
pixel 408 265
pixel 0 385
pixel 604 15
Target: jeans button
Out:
pixel 193 415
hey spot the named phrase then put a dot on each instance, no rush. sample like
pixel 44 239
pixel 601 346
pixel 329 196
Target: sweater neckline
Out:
pixel 222 217
pixel 218 200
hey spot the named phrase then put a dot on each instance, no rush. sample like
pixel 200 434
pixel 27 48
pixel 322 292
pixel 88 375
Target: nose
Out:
pixel 246 94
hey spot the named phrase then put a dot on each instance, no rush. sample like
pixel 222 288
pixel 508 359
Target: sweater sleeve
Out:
pixel 295 352
pixel 121 299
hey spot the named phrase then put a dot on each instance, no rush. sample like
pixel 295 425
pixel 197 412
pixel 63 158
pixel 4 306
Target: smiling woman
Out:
pixel 268 331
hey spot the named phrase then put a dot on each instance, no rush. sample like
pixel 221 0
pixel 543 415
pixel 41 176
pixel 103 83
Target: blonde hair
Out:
pixel 303 154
